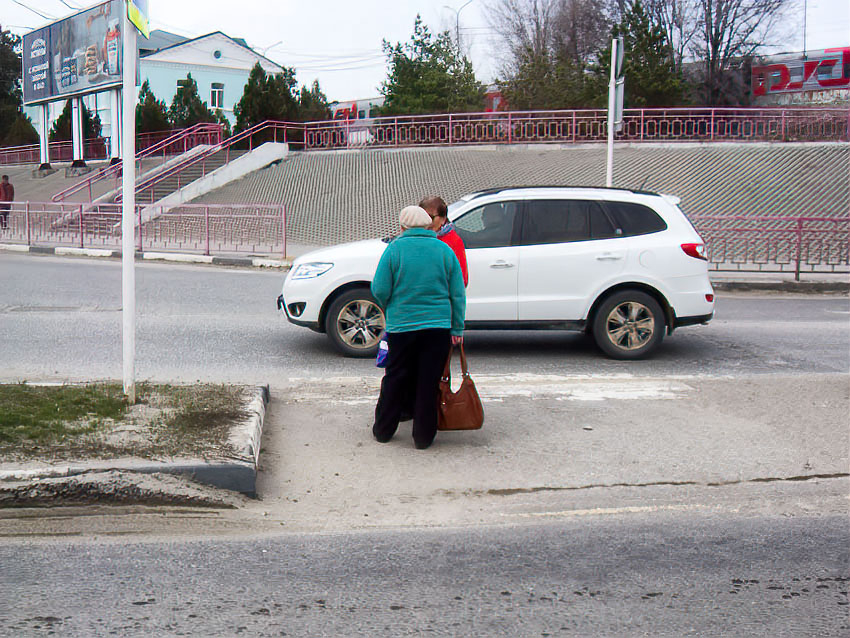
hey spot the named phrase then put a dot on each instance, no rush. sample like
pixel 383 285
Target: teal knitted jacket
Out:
pixel 419 284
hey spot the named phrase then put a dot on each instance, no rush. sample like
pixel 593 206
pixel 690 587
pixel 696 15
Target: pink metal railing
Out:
pixel 639 125
pixel 511 127
pixel 178 142
pixel 735 243
pixel 776 244
pixel 96 148
pixel 268 131
pixel 193 228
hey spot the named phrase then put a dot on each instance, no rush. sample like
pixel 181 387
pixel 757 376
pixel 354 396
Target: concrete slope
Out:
pixel 346 195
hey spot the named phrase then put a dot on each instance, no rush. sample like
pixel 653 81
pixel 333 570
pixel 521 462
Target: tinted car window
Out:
pixel 487 226
pixel 559 221
pixel 635 219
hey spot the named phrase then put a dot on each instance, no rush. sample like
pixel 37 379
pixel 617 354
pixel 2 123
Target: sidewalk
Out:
pixel 732 281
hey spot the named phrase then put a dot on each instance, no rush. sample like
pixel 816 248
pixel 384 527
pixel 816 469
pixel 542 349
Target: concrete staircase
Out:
pixel 186 176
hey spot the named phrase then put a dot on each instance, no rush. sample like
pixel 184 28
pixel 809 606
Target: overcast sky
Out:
pixel 338 42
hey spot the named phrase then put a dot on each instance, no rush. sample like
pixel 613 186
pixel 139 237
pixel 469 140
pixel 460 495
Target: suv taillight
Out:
pixel 697 251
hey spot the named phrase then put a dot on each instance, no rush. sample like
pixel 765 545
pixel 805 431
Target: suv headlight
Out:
pixel 310 270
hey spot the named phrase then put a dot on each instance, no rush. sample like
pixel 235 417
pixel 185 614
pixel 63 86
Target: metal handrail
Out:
pixel 225 146
pixel 116 169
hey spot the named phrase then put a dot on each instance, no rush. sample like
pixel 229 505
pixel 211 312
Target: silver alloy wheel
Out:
pixel 360 323
pixel 630 325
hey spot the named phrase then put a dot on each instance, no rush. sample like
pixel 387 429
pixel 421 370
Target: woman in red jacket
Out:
pixel 437 209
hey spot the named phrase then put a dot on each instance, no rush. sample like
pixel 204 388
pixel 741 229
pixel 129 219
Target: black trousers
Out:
pixel 4 215
pixel 414 364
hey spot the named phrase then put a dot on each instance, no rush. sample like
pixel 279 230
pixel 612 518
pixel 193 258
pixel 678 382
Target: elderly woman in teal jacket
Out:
pixel 419 285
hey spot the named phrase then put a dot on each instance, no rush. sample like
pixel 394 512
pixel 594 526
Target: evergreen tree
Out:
pixel 187 108
pixel 151 114
pixel 21 132
pixel 61 129
pixel 429 75
pixel 266 97
pixel 221 118
pixel 10 76
pixel 648 65
pixel 312 104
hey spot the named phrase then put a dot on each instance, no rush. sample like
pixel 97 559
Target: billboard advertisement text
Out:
pixel 80 54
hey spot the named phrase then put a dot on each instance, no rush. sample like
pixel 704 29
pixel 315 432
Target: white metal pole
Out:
pixel 43 141
pixel 77 130
pixel 128 249
pixel 115 119
pixel 612 107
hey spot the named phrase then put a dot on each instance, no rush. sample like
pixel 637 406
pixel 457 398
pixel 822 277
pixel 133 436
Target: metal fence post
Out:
pixel 207 225
pixel 642 120
pixel 283 227
pixel 141 246
pixel 450 129
pixel 711 135
pixel 799 248
pixel 510 129
pixel 574 126
pixel 81 225
pixel 27 218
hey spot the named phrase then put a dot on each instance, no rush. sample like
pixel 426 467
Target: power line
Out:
pixel 38 13
pixel 70 6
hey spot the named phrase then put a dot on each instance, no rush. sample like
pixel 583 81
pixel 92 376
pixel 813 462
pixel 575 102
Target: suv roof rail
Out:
pixel 499 189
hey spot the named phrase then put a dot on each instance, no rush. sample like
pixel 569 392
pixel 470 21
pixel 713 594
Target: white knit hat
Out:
pixel 414 217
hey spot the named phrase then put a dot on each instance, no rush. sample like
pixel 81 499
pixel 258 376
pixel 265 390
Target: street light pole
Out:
pixel 457 20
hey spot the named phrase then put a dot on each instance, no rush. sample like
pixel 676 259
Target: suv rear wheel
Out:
pixel 354 323
pixel 629 325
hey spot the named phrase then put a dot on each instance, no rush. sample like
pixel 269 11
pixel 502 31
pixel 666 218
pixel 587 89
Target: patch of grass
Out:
pixel 43 415
pixel 94 420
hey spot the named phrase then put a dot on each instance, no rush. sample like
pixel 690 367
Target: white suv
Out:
pixel 625 266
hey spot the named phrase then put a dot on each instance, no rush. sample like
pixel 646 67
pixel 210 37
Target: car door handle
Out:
pixel 501 264
pixel 608 257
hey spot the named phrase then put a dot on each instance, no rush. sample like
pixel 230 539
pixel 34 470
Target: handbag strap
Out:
pixel 447 370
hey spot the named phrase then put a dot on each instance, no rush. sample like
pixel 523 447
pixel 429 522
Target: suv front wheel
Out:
pixel 629 325
pixel 354 323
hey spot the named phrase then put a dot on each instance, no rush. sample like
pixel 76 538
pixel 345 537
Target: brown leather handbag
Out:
pixel 461 410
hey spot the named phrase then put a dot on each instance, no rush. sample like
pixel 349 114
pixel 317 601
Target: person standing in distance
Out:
pixel 419 286
pixel 7 196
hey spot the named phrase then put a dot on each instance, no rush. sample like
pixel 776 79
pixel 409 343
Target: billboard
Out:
pixel 78 55
pixel 817 71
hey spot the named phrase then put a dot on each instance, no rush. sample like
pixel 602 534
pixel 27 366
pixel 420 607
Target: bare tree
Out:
pixel 581 30
pixel 730 33
pixel 524 29
pixel 680 22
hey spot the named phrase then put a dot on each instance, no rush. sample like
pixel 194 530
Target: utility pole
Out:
pixel 457 21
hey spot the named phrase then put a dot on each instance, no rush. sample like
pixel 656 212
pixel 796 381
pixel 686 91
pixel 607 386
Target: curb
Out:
pixel 187 258
pixel 238 473
pixel 783 286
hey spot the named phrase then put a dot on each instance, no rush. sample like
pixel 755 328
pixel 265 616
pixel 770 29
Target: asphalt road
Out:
pixel 703 492
pixel 60 320
pixel 659 575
